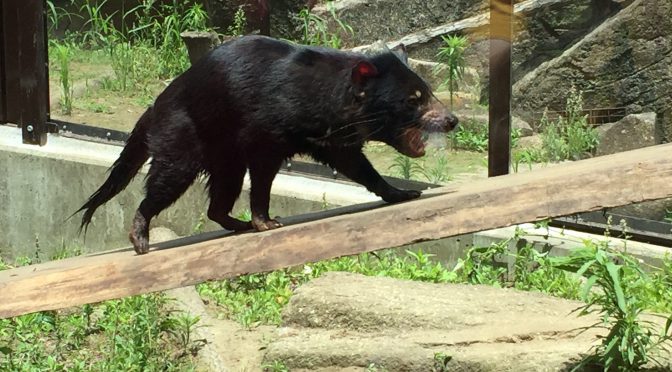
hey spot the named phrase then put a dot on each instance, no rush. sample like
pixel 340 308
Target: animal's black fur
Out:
pixel 255 101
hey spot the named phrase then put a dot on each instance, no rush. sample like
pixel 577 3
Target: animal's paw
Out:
pixel 397 196
pixel 139 235
pixel 262 224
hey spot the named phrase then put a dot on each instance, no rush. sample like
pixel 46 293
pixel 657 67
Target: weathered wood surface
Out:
pixel 569 188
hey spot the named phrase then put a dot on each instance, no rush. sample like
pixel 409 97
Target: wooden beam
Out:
pixel 593 184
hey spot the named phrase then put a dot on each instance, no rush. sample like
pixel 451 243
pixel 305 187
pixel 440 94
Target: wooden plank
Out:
pixel 593 184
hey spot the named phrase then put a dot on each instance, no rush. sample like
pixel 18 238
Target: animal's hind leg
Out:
pixel 167 180
pixel 224 187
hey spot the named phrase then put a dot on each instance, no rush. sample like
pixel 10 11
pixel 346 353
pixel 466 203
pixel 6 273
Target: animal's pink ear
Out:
pixel 363 70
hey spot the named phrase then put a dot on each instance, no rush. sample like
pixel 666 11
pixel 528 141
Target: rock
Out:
pixel 632 132
pixel 161 234
pixel 654 210
pixel 522 126
pixel 530 142
pixel 625 62
pixel 346 320
pixel 388 20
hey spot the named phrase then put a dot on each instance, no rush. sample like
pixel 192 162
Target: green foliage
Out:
pixel 451 57
pixel 275 366
pixel 570 137
pixel 122 335
pixel 471 135
pixel 527 156
pixel 315 30
pixel 668 215
pixel 64 52
pixel 613 291
pixel 239 23
pixel 441 361
pixel 406 167
pixel 151 48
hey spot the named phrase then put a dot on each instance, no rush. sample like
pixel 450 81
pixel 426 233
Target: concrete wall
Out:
pixel 40 187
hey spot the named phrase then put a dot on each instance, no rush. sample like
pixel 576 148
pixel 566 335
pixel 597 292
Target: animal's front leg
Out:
pixel 262 173
pixel 354 165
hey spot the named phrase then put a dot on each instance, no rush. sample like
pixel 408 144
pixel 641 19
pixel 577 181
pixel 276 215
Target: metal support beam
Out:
pixel 501 36
pixel 25 67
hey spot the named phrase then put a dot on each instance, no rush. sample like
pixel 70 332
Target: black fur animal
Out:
pixel 255 101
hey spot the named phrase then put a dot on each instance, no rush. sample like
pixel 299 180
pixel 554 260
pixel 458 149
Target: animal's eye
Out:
pixel 415 98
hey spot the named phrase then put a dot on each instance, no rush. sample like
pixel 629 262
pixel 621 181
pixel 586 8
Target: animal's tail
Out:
pixel 131 159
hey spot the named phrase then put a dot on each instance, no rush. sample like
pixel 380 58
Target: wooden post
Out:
pixel 499 140
pixel 559 190
pixel 3 100
pixel 26 79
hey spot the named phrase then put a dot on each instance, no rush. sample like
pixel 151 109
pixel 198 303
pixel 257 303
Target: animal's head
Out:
pixel 396 106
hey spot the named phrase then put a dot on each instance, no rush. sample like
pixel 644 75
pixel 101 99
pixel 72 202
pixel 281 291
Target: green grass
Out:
pixel 139 333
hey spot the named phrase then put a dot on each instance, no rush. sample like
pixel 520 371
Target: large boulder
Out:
pixel 630 133
pixel 347 321
pixel 625 62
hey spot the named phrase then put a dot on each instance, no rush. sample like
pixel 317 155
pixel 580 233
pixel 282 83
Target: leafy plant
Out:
pixel 527 156
pixel 570 137
pixel 315 30
pixel 239 23
pixel 406 167
pixel 64 52
pixel 441 361
pixel 451 58
pixel 472 135
pixel 631 341
pixel 275 366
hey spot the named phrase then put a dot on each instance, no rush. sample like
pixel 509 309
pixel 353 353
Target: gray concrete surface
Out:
pixel 40 187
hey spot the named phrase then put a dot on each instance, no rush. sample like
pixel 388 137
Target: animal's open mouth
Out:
pixel 412 143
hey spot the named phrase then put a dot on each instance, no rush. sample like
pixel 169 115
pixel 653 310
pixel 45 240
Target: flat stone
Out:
pixel 348 320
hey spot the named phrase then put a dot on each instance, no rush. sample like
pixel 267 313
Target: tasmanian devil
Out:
pixel 253 102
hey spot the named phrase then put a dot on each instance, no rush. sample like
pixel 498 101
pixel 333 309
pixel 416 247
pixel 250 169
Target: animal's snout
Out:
pixel 438 119
pixel 451 121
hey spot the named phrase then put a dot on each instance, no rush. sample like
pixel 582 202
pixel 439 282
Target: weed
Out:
pixel 441 361
pixel 472 135
pixel 570 137
pixel 668 215
pixel 527 156
pixel 239 23
pixel 63 52
pixel 451 57
pixel 315 29
pixel 406 167
pixel 275 366
pixel 631 341
pixel 200 224
pixel 182 328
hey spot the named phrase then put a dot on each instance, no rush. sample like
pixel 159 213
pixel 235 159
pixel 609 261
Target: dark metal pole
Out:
pixel 25 51
pixel 501 36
